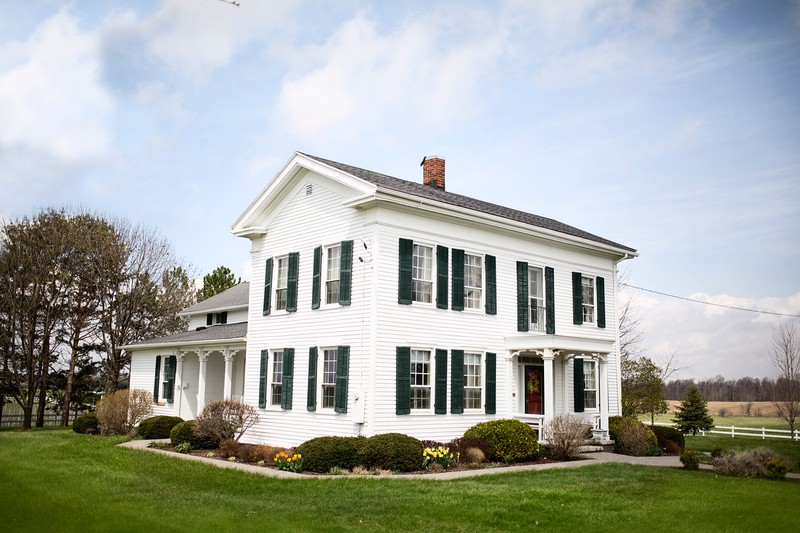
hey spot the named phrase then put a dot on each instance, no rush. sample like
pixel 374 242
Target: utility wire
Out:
pixel 709 303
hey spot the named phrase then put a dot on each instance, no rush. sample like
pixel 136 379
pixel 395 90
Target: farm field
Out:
pixel 58 480
pixel 733 415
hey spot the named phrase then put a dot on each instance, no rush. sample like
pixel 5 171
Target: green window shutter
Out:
pixel 522 297
pixel 491 285
pixel 173 364
pixel 316 281
pixel 458 280
pixel 345 272
pixel 403 373
pixel 262 379
pixel 311 403
pixel 457 381
pixel 550 300
pixel 291 282
pixel 577 299
pixel 404 283
pixel 157 379
pixel 342 373
pixel 578 383
pixel 440 401
pixel 287 383
pixel 267 286
pixel 442 260
pixel 601 302
pixel 491 383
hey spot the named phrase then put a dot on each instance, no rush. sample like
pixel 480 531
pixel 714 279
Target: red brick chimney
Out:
pixel 433 171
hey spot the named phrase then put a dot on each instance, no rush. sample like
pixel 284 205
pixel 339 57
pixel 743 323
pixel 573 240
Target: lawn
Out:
pixel 59 481
pixel 787 448
pixel 759 422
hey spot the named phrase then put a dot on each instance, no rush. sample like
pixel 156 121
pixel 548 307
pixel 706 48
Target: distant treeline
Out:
pixel 719 389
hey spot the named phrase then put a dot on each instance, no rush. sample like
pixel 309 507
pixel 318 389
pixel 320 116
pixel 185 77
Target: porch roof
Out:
pixel 220 334
pixel 578 345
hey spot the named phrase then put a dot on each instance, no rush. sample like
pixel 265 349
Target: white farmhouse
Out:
pixel 384 305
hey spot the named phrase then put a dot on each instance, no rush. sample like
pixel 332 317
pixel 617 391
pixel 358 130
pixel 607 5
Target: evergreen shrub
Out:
pixel 690 460
pixel 86 423
pixel 462 444
pixel 321 454
pixel 157 427
pixel 511 439
pixel 391 451
pixel 670 440
pixel 185 432
pixel 631 437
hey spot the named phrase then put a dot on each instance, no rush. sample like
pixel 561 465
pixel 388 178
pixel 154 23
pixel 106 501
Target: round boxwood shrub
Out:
pixel 323 453
pixel 670 440
pixel 184 432
pixel 86 423
pixel 690 460
pixel 390 451
pixel 511 439
pixel 157 427
pixel 631 437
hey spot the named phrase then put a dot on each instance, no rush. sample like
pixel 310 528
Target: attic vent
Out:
pixel 309 189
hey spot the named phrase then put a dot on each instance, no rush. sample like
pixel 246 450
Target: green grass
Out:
pixel 60 481
pixel 784 447
pixel 738 421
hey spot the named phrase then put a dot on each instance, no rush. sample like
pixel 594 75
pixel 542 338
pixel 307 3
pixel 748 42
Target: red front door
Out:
pixel 534 389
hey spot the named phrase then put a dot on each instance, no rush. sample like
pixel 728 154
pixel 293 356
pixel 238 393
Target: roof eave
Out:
pixel 183 344
pixel 213 310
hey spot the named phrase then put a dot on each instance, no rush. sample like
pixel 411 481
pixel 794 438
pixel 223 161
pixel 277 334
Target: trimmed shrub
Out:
pixel 566 434
pixel 670 440
pixel 229 448
pixel 323 453
pixel 775 469
pixel 463 444
pixel 631 437
pixel 119 412
pixel 185 432
pixel 511 439
pixel 472 456
pixel 751 463
pixel 690 460
pixel 254 453
pixel 718 451
pixel 226 419
pixel 391 451
pixel 157 427
pixel 86 423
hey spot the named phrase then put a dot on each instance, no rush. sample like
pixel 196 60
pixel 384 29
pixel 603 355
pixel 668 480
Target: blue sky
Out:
pixel 671 127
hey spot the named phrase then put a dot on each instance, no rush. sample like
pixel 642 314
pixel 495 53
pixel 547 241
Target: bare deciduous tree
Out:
pixel 784 354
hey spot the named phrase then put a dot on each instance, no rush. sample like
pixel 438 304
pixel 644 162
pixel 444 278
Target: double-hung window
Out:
pixel 589 384
pixel 422 274
pixel 328 377
pixel 420 379
pixel 587 298
pixel 332 274
pixel 536 296
pixel 276 384
pixel 472 381
pixel 473 281
pixel 281 283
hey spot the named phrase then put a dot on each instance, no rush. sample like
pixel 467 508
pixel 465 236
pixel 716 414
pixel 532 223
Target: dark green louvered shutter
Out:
pixel 601 302
pixel 578 383
pixel 457 381
pixel 262 379
pixel 316 280
pixel 440 401
pixel 550 300
pixel 342 373
pixel 491 285
pixel 311 402
pixel 404 283
pixel 267 286
pixel 291 282
pixel 287 383
pixel 491 383
pixel 522 296
pixel 403 381
pixel 346 272
pixel 209 319
pixel 442 260
pixel 173 364
pixel 458 280
pixel 577 299
pixel 157 378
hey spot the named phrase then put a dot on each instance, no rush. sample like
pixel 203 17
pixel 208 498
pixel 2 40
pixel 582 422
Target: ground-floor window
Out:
pixel 328 377
pixel 420 379
pixel 590 384
pixel 277 377
pixel 472 381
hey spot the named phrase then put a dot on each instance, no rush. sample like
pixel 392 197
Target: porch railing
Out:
pixel 534 421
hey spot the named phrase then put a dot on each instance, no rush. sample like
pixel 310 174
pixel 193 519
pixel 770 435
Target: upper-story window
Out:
pixel 472 381
pixel 589 384
pixel 422 274
pixel 536 296
pixel 216 318
pixel 587 298
pixel 277 377
pixel 281 283
pixel 332 274
pixel 473 281
pixel 420 379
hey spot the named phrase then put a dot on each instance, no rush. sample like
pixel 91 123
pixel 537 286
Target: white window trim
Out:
pixel 162 381
pixel 594 299
pixel 433 274
pixel 431 381
pixel 275 282
pixel 321 376
pixel 482 264
pixel 482 359
pixel 324 276
pixel 271 378
pixel 596 386
pixel 541 325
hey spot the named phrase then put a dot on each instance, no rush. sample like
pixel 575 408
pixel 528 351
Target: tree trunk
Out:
pixel 70 377
pixel 27 416
pixel 45 366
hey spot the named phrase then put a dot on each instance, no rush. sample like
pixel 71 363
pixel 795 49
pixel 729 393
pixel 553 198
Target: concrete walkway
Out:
pixel 588 459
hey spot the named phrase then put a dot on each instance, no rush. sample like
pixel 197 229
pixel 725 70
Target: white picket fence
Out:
pixel 733 431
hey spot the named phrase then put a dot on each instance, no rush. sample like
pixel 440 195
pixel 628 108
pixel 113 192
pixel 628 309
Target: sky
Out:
pixel 672 127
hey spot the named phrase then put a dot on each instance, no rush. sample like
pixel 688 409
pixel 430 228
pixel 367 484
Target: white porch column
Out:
pixel 179 379
pixel 228 354
pixel 202 356
pixel 603 390
pixel 549 389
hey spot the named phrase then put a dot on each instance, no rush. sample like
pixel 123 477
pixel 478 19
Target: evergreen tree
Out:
pixel 693 413
pixel 221 279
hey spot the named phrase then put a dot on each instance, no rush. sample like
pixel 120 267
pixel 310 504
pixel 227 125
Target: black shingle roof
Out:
pixel 211 333
pixel 432 193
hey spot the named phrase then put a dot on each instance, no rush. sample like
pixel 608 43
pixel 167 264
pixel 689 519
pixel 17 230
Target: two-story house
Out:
pixel 384 305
